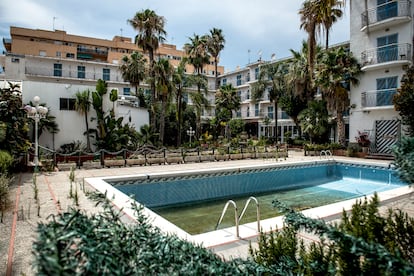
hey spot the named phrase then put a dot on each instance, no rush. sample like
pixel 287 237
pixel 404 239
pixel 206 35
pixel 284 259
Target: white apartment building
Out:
pixel 381 37
pixel 259 116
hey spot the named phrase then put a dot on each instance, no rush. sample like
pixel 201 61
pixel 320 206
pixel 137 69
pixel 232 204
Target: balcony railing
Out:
pixel 387 53
pixel 73 74
pixel 385 11
pixel 378 98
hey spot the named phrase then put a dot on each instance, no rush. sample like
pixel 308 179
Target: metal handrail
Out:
pixel 236 217
pixel 257 211
pixel 327 153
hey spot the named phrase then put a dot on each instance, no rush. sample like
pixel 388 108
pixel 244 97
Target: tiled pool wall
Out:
pixel 181 189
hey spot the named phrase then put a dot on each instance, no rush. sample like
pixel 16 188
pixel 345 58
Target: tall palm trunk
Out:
pixel 88 140
pixel 153 94
pixel 179 119
pixel 275 106
pixel 341 129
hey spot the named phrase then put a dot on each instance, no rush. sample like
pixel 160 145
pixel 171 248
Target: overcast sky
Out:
pixel 250 27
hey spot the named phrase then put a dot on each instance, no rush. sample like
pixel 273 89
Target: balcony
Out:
pixel 398 54
pixel 378 98
pixel 388 14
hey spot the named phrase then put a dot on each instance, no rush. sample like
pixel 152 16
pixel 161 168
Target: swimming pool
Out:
pixel 307 173
pixel 194 202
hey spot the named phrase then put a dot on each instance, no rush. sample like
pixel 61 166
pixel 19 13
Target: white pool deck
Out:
pixel 225 242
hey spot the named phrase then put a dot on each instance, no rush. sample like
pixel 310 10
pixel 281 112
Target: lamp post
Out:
pixel 190 133
pixel 36 113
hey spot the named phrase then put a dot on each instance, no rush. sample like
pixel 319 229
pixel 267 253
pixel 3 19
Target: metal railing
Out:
pixel 385 11
pixel 378 98
pixel 238 218
pixel 387 53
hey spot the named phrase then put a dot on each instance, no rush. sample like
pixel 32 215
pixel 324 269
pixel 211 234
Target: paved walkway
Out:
pixel 34 201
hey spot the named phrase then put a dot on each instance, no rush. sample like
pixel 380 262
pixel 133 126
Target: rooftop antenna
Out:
pixel 54 18
pixel 121 32
pixel 260 55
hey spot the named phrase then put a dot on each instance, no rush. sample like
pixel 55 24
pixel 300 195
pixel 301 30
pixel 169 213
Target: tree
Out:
pixel 163 73
pixel 134 71
pixel 180 82
pixel 314 120
pixel 404 100
pixel 151 32
pixel 215 45
pixel 272 79
pixel 83 105
pixel 330 11
pixel 227 101
pixel 13 122
pixel 197 52
pixel 335 72
pixel 309 17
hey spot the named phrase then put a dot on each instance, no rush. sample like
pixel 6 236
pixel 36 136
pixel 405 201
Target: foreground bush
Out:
pixel 75 244
pixel 363 243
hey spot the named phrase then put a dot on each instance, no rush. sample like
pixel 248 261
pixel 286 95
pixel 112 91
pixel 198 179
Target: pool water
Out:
pixel 203 217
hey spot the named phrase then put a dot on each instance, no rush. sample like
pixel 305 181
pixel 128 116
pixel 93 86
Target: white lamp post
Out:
pixel 36 113
pixel 190 133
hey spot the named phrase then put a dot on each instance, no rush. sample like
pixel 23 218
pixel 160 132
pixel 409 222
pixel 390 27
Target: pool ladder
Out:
pixel 326 153
pixel 238 218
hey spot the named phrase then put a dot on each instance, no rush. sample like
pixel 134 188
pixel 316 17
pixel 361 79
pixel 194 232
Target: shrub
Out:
pixel 404 159
pixel 6 161
pixel 4 194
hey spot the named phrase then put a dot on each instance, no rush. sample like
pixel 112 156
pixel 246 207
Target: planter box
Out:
pixel 134 162
pixel 114 162
pixel 221 157
pixel 249 155
pixel 236 156
pixel 174 159
pixel 191 158
pixel 92 165
pixel 206 157
pixel 66 166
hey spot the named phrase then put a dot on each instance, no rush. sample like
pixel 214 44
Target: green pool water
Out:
pixel 203 217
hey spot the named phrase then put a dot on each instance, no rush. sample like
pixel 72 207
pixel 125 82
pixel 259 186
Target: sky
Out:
pixel 252 29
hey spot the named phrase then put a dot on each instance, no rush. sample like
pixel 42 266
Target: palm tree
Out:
pixel 133 69
pixel 271 78
pixel 215 45
pixel 197 53
pixel 150 28
pixel 82 105
pixel 330 11
pixel 336 71
pixel 227 101
pixel 309 17
pixel 163 72
pixel 198 98
pixel 180 82
pixel 314 120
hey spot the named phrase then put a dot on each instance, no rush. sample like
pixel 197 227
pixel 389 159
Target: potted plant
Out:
pixel 363 141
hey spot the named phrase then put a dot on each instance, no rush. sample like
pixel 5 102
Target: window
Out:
pixel 386 89
pixel 127 91
pixel 386 9
pixel 256 110
pixel 57 70
pixel 256 73
pixel 224 82
pixel 58 54
pixel 248 112
pixel 81 72
pixel 106 72
pixel 67 104
pixel 387 48
pixel 70 55
pixel 270 112
pixel 238 82
pixel 42 53
pixel 238 113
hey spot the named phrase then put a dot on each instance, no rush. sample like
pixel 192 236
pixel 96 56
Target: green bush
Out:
pixel 404 159
pixel 73 243
pixel 4 194
pixel 362 243
pixel 6 161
